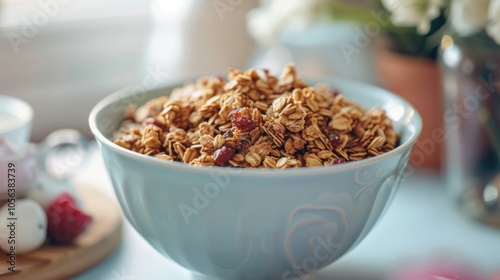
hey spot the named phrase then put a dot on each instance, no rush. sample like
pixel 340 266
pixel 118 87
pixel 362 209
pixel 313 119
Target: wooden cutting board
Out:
pixel 61 262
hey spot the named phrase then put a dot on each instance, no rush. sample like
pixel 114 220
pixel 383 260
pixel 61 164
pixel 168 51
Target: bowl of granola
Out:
pixel 255 176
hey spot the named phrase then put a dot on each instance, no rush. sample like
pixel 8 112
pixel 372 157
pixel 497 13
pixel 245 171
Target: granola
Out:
pixel 256 120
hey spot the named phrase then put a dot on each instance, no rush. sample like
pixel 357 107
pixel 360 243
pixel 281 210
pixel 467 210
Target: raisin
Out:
pixel 244 124
pixel 335 140
pixel 161 125
pixel 337 161
pixel 223 155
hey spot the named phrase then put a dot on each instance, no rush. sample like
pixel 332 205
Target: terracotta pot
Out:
pixel 418 80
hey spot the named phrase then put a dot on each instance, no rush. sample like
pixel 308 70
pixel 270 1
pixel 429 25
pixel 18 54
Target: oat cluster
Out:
pixel 256 120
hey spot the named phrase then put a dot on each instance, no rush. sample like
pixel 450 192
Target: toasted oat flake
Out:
pixel 268 121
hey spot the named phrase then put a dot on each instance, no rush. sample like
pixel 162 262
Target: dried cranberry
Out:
pixel 337 161
pixel 335 140
pixel 244 124
pixel 228 134
pixel 161 125
pixel 223 155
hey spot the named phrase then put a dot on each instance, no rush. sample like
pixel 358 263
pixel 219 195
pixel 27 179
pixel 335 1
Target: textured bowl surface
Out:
pixel 230 223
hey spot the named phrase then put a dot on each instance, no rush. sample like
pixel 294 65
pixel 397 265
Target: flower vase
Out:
pixel 417 80
pixel 471 82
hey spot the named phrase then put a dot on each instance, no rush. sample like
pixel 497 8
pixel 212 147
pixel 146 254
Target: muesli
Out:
pixel 254 119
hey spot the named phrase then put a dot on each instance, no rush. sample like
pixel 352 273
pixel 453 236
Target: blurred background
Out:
pixel 63 56
pixel 75 52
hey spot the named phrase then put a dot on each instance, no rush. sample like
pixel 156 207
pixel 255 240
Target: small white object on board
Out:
pixel 29 228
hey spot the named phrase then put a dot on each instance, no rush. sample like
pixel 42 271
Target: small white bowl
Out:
pixel 226 223
pixel 16 117
pixel 17 164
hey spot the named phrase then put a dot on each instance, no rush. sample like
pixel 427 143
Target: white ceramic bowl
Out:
pixel 16 117
pixel 225 223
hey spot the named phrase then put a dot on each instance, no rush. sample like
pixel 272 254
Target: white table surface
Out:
pixel 421 224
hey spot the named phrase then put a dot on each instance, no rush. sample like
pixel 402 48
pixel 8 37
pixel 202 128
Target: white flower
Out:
pixel 266 22
pixel 469 16
pixel 493 28
pixel 414 13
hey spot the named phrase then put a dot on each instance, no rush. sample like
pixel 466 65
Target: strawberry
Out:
pixel 65 220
